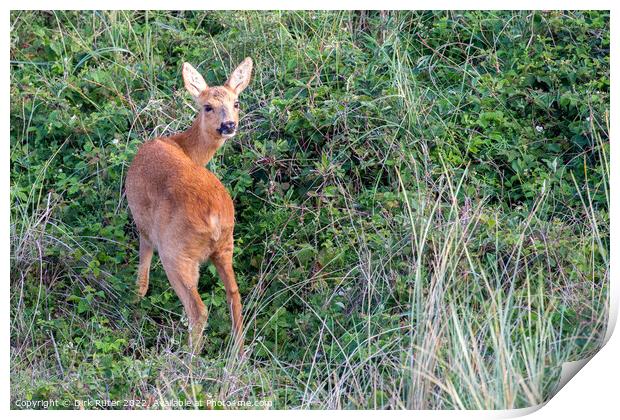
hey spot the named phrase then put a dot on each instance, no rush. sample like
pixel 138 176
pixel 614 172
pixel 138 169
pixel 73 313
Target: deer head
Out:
pixel 219 105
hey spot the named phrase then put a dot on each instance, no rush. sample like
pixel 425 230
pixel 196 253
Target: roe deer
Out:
pixel 181 209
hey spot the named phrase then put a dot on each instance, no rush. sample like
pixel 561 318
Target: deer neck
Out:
pixel 197 143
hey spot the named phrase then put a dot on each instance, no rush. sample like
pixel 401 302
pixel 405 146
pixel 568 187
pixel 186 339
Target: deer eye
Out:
pixel 237 104
pixel 208 108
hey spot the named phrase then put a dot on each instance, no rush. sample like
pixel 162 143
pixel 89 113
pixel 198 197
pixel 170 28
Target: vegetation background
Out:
pixel 422 206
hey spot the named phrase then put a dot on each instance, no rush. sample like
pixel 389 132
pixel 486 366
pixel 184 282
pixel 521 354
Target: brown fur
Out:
pixel 181 209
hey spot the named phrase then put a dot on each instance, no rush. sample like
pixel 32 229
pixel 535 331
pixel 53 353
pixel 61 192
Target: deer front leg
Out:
pixel 146 254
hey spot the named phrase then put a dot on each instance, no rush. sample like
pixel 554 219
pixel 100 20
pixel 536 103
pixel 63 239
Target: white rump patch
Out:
pixel 214 224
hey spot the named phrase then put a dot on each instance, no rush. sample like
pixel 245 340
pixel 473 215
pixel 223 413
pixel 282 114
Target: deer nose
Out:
pixel 227 127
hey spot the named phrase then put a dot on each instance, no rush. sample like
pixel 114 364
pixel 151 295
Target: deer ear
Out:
pixel 240 78
pixel 194 82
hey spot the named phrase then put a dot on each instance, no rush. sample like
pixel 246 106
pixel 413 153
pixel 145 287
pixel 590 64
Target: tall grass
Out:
pixel 473 336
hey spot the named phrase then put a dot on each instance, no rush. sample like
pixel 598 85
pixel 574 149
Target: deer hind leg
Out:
pixel 223 264
pixel 146 254
pixel 183 276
